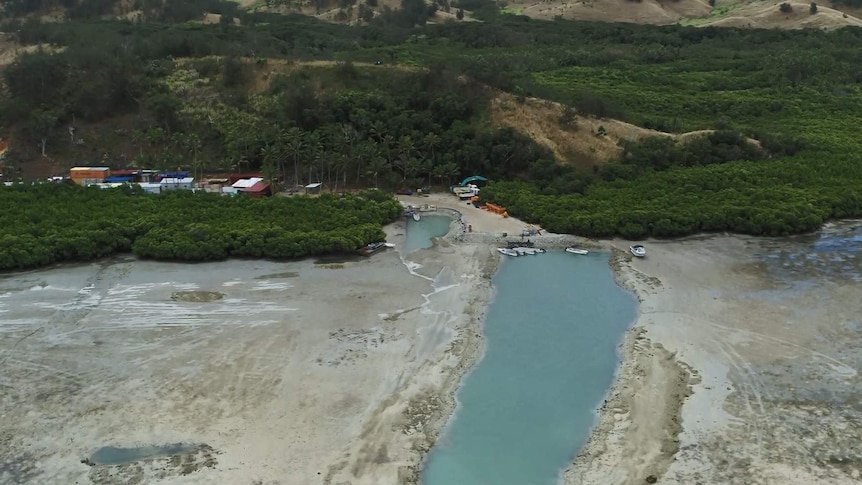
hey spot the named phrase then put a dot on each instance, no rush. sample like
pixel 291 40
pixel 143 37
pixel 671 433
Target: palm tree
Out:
pixel 406 162
pixel 375 166
pixel 450 169
pixel 440 172
pixel 295 146
pixel 386 146
pixel 366 151
pixel 432 141
pixel 315 150
pixel 377 131
pixel 281 140
pixel 270 154
pixel 427 167
pixel 138 138
pixel 194 145
pixel 341 164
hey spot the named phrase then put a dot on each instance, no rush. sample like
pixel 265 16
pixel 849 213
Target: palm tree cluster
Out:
pixel 338 155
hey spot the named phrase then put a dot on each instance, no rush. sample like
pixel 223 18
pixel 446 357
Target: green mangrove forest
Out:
pixel 47 223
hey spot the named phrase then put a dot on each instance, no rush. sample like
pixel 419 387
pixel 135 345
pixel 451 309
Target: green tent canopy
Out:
pixel 474 178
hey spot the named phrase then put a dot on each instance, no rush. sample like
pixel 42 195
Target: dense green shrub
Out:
pixel 48 223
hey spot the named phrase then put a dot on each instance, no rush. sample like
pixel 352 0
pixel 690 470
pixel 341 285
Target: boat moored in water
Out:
pixel 575 250
pixel 508 252
pixel 638 250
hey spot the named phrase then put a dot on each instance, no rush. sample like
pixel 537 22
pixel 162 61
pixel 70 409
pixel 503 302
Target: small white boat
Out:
pixel 508 252
pixel 574 250
pixel 638 250
pixel 416 216
pixel 525 251
pixel 389 245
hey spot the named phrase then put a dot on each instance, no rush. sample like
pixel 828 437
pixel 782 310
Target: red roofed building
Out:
pixel 258 190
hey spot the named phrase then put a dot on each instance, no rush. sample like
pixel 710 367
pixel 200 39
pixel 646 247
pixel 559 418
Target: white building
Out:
pixel 177 184
pixel 246 183
pixel 151 188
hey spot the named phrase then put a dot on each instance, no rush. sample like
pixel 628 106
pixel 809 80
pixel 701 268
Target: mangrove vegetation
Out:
pixel 47 223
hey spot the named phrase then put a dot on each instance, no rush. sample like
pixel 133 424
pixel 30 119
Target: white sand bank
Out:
pixel 764 335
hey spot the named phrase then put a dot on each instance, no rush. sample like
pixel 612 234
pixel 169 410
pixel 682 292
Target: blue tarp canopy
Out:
pixel 173 175
pixel 475 178
pixel 119 178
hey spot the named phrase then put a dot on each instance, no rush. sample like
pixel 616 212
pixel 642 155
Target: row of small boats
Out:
pixel 520 251
pixel 637 250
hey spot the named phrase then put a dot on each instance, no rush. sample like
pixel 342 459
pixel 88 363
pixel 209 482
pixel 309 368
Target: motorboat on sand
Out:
pixel 508 252
pixel 372 248
pixel 638 250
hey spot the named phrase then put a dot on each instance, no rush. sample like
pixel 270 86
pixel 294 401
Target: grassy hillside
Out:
pixel 303 98
pixel 795 14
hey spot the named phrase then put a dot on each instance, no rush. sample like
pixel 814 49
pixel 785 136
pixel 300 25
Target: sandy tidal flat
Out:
pixel 742 367
pixel 277 373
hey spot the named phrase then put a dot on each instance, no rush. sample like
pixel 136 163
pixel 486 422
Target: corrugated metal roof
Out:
pixel 314 186
pixel 246 183
pixel 258 187
pixel 90 169
pixel 186 180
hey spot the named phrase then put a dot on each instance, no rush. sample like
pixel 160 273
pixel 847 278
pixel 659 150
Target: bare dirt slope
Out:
pixel 643 12
pixel 579 142
pixel 726 13
pixel 769 15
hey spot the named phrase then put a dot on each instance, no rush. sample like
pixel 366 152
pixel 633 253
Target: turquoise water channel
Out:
pixel 529 405
pixel 419 233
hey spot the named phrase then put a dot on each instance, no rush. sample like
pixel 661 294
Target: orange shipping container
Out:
pixel 89 175
pixel 79 173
